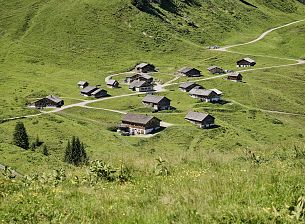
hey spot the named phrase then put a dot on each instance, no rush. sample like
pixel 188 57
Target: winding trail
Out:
pixel 260 37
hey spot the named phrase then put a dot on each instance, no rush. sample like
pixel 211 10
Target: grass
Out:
pixel 231 174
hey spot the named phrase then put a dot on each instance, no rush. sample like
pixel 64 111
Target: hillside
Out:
pixel 247 169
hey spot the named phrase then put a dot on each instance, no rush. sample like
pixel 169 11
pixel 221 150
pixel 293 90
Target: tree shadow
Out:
pixel 213 127
pixel 222 102
pixel 248 3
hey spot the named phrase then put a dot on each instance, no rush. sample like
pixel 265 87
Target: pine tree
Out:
pixel 68 153
pixel 75 152
pixel 20 137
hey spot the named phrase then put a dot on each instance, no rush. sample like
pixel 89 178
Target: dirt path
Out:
pixel 114 75
pixel 262 36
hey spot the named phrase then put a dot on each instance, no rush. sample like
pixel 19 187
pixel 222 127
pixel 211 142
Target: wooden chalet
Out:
pixel 200 119
pixel 188 86
pixel 82 84
pixel 111 83
pixel 206 95
pixel 215 70
pixel 94 92
pixel 237 77
pixel 139 77
pixel 190 72
pixel 135 124
pixel 157 102
pixel 245 62
pixel 49 101
pixel 145 68
pixel 141 86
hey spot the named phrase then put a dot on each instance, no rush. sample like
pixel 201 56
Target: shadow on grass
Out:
pixel 222 102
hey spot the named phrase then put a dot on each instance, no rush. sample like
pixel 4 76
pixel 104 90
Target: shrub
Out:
pixel 161 168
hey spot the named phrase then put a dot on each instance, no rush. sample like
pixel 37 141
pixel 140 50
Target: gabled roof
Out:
pixel 234 74
pixel 213 67
pixel 138 84
pixel 248 60
pixel 201 92
pixel 89 89
pixel 187 69
pixel 218 92
pixel 198 87
pixel 142 65
pixel 154 99
pixel 137 118
pixel 81 83
pixel 111 82
pixel 97 91
pixel 187 84
pixel 145 76
pixel 196 116
pixel 53 98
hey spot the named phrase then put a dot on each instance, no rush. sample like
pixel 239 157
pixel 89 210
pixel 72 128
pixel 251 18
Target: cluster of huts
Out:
pixel 133 124
pixel 141 81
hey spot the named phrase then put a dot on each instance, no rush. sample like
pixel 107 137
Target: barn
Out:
pixel 200 119
pixel 135 124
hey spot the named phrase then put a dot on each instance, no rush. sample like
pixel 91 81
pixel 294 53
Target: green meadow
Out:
pixel 247 170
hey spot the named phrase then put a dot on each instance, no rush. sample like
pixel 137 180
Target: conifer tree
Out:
pixel 68 153
pixel 75 152
pixel 20 137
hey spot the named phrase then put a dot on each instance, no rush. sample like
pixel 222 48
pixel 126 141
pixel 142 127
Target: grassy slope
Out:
pixel 68 41
pixel 213 177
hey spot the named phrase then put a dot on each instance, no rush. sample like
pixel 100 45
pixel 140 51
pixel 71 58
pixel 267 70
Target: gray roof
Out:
pixel 145 76
pixel 111 82
pixel 248 60
pixel 89 89
pixel 137 118
pixel 218 92
pixel 153 99
pixel 53 98
pixel 198 87
pixel 201 92
pixel 141 65
pixel 186 85
pixel 212 67
pixel 196 116
pixel 81 83
pixel 137 84
pixel 185 69
pixel 234 74
pixel 98 91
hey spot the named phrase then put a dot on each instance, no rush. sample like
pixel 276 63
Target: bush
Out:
pixel 104 171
